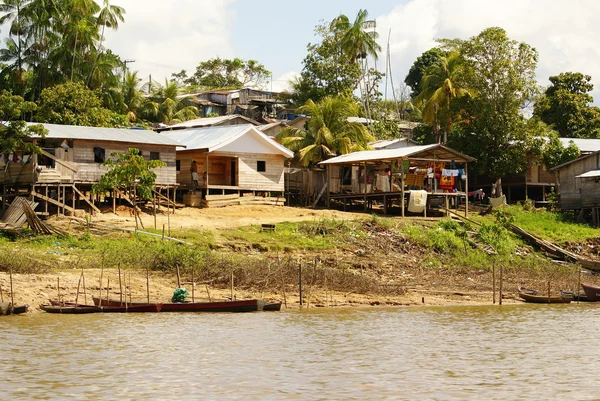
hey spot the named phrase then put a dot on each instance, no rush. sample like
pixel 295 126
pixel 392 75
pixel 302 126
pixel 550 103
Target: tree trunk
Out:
pixel 497 188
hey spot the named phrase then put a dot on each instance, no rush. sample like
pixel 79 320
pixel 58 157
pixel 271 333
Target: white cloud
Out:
pixel 164 37
pixel 282 83
pixel 565 34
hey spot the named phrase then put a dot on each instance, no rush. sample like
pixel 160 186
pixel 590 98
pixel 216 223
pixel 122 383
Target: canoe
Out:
pixel 70 309
pixel 247 305
pixel 6 308
pixel 532 296
pixel 592 292
pixel 145 308
pixel 577 296
pixel 272 306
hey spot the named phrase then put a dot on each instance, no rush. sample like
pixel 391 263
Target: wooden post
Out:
pixel 466 191
pixel 12 293
pixel 58 288
pixel 282 282
pixel 208 293
pixel 78 285
pixel 120 285
pixel 168 213
pixel 579 284
pixel 148 283
pixel 500 294
pixel 154 209
pixel 193 286
pixel 129 287
pixel 1 295
pixel 84 291
pixel 100 286
pixel 232 284
pixel 46 202
pixel 365 184
pixel 135 207
pixel 402 186
pixel 300 282
pixel 327 172
pixel 548 291
pixel 178 278
pixel 114 202
pixel 494 282
pixel 107 288
pixel 174 198
pixel 163 233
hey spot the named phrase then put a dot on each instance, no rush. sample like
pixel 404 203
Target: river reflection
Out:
pixel 440 353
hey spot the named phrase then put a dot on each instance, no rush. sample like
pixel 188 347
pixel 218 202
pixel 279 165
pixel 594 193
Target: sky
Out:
pixel 167 36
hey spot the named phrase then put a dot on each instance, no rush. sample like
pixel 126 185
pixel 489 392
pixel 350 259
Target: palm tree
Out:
pixel 356 42
pixel 166 106
pixel 109 16
pixel 328 132
pixel 441 84
pixel 11 10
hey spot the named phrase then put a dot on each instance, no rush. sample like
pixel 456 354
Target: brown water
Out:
pixel 442 353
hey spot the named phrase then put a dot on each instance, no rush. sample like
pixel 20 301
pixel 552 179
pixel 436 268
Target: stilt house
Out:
pixel 71 163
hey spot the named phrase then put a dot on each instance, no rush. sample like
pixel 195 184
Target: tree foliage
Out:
pixel 490 125
pixel 15 134
pixel 554 153
pixel 328 132
pixel 129 170
pixel 566 106
pixel 420 66
pixel 73 103
pixel 218 73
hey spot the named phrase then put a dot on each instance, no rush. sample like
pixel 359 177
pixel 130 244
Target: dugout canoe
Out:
pixel 246 305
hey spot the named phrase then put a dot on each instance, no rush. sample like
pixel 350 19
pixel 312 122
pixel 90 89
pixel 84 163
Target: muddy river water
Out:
pixel 430 353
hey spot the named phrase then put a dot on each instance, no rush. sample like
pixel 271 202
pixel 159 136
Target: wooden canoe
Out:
pixel 70 309
pixel 145 308
pixel 272 306
pixel 592 292
pixel 247 305
pixel 6 308
pixel 532 296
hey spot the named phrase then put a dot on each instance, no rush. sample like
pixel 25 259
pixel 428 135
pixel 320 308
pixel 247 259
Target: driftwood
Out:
pixel 105 227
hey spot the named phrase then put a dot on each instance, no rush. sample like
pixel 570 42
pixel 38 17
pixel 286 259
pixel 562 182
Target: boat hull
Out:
pixel 145 308
pixel 592 292
pixel 6 308
pixel 544 299
pixel 248 305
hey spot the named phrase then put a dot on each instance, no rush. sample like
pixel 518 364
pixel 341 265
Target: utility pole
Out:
pixel 125 62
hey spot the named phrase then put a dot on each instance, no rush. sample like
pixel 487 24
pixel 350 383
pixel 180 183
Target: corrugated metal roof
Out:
pixel 207 122
pixel 214 138
pixel 434 151
pixel 57 131
pixel 584 145
pixel 589 174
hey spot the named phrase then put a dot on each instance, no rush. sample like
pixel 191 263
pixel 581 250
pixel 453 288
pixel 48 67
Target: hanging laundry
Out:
pixel 447 183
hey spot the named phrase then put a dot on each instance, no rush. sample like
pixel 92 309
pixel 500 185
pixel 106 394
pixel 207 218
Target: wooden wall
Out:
pixel 15 173
pixel 576 193
pixel 539 174
pixel 90 172
pixel 219 170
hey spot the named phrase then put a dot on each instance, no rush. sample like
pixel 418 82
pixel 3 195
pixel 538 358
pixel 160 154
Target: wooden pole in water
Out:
pixel 579 285
pixel 193 285
pixel 232 285
pixel 300 282
pixel 120 286
pixel 78 285
pixel 107 287
pixel 494 282
pixel 84 292
pixel 500 294
pixel 282 281
pixel 148 283
pixel 101 274
pixel 129 287
pixel 12 293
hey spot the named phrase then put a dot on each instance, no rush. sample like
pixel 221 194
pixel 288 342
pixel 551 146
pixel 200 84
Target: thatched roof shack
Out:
pixel 383 173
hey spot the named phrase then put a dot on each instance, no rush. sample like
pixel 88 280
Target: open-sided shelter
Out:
pixel 239 161
pixel 391 174
pixel 71 163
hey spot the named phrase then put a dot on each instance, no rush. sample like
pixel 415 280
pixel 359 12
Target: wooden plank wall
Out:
pixel 577 192
pixel 89 171
pixel 269 180
pixel 15 173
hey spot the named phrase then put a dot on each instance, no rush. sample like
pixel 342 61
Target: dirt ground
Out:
pixel 35 289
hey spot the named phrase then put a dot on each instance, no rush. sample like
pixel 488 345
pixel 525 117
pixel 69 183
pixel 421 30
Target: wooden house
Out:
pixel 71 163
pixel 578 183
pixel 239 161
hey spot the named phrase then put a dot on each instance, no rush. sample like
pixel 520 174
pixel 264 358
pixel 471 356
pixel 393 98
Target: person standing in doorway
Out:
pixel 194 171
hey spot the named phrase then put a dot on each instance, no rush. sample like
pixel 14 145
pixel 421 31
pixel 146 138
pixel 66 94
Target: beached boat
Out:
pixel 592 292
pixel 272 306
pixel 247 305
pixel 6 308
pixel 146 308
pixel 532 296
pixel 70 309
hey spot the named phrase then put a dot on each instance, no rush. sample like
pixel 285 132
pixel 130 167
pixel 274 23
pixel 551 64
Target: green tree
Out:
pixel 500 72
pixel 328 132
pixel 130 173
pixel 15 134
pixel 566 106
pixel 356 42
pixel 439 86
pixel 554 153
pixel 218 73
pixel 166 106
pixel 73 103
pixel 420 66
pixel 326 69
